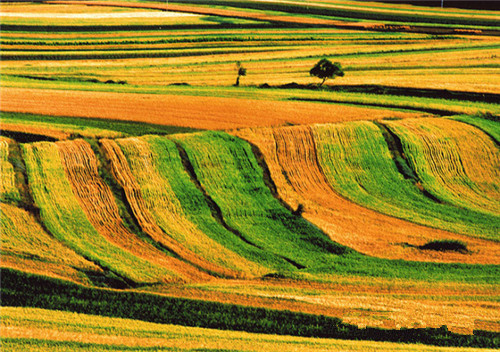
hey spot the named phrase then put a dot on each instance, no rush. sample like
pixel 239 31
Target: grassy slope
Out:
pixel 8 190
pixel 228 171
pixel 467 177
pixel 88 127
pixel 200 212
pixel 359 165
pixel 156 164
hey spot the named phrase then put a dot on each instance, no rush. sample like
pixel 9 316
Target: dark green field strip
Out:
pixel 126 55
pixel 25 290
pixel 228 171
pixel 222 37
pixel 490 126
pixel 359 165
pixel 414 92
pixel 348 13
pixel 201 209
pixel 127 127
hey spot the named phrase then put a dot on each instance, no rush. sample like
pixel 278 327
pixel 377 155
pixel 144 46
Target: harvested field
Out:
pixel 8 190
pixel 357 162
pixel 155 163
pixel 383 304
pixel 65 219
pixel 49 331
pixel 291 156
pixel 35 130
pixel 176 110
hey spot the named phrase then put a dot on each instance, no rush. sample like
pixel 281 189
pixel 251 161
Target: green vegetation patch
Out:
pixel 228 170
pixel 66 220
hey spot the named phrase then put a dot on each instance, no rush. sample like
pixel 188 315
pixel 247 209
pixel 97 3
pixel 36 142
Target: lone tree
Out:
pixel 324 69
pixel 241 72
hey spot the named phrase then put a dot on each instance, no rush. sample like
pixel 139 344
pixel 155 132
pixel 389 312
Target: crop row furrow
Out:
pixel 144 199
pixel 97 200
pixel 65 219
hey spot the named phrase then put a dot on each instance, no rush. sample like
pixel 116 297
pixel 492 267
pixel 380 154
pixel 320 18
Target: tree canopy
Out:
pixel 325 69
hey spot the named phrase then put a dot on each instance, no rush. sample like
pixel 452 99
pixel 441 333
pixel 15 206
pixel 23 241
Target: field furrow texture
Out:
pixel 294 165
pixel 26 246
pixel 229 172
pixel 191 264
pixel 456 162
pixel 33 329
pixel 65 219
pixel 358 164
pixel 156 164
pixel 489 126
pixel 8 190
pixel 97 201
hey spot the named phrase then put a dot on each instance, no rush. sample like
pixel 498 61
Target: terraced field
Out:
pixel 149 203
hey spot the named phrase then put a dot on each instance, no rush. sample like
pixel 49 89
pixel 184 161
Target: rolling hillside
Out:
pixel 149 203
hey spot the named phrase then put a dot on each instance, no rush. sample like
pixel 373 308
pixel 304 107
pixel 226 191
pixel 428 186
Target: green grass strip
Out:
pixel 456 162
pixel 91 127
pixel 199 208
pixel 8 190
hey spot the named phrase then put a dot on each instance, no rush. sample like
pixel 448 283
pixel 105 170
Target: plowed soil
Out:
pixel 187 111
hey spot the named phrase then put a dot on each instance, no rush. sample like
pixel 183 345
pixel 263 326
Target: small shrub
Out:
pixel 445 246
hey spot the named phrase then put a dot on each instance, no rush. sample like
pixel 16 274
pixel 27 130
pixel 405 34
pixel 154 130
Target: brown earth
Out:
pixel 201 112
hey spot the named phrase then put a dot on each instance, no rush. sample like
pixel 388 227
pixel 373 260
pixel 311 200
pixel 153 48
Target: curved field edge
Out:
pixel 451 167
pixel 226 167
pixel 358 164
pixel 22 290
pixel 157 166
pixel 92 331
pixel 489 125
